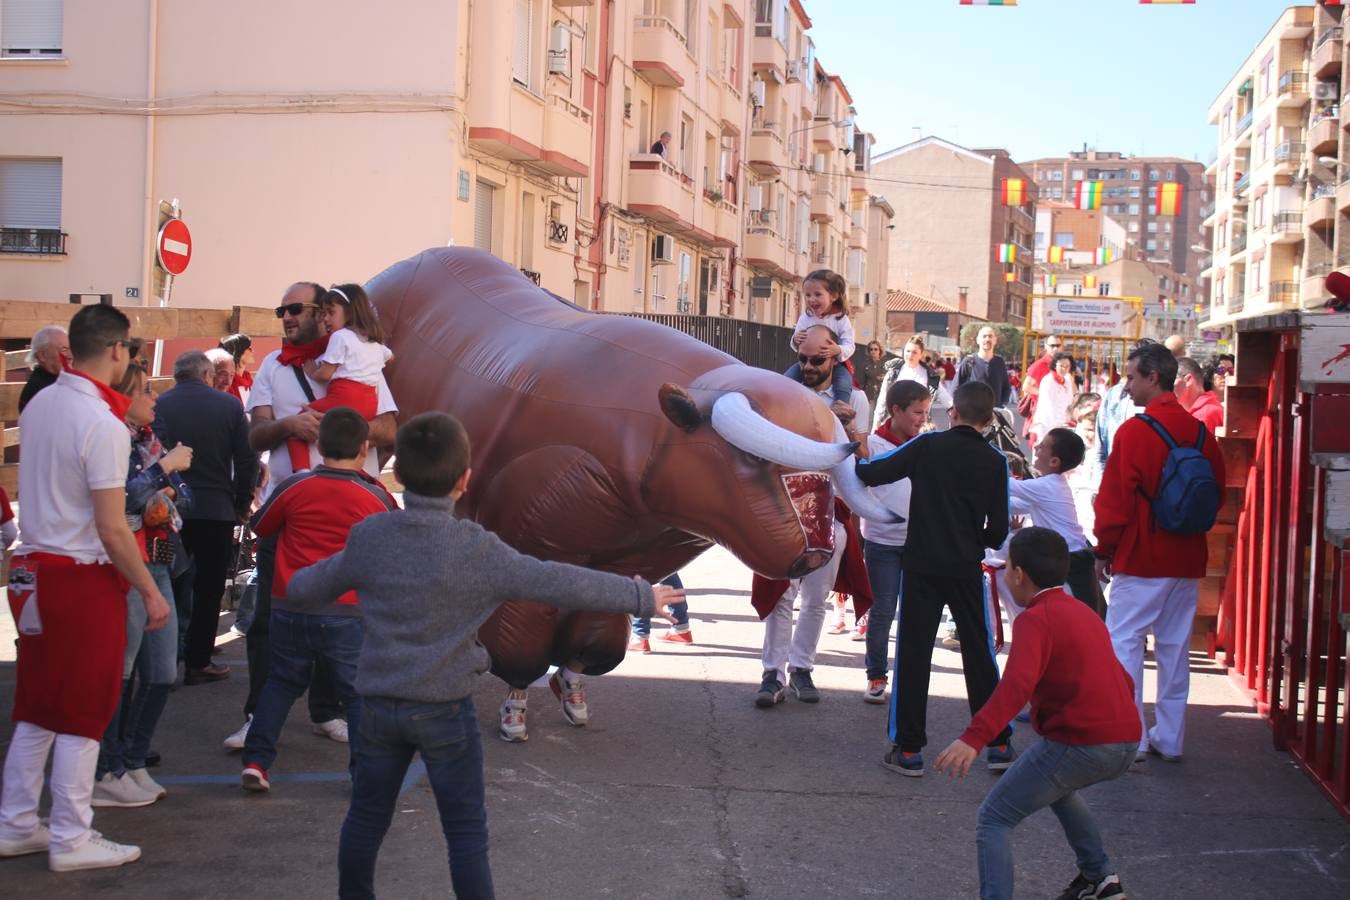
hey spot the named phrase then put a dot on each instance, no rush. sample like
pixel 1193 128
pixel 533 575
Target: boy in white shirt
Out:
pixel 1049 502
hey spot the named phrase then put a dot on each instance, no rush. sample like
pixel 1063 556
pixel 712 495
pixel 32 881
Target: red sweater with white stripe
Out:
pixel 311 513
pixel 1126 533
pixel 1061 660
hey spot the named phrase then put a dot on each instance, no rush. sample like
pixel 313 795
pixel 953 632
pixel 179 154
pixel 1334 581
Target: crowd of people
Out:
pixel 1086 532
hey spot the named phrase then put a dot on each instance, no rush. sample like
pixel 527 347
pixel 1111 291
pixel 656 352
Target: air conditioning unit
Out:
pixel 663 249
pixel 757 93
pixel 795 68
pixel 559 51
pixel 1325 90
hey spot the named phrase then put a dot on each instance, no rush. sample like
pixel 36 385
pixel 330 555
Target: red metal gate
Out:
pixel 1286 604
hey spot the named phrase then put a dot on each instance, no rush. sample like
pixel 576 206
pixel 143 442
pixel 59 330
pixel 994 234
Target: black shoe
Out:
pixel 770 691
pixel 1080 888
pixel 909 764
pixel 207 674
pixel 152 759
pixel 802 686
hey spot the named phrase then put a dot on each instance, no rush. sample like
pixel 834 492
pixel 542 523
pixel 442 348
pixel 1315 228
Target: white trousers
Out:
pixel 796 647
pixel 1165 606
pixel 73 763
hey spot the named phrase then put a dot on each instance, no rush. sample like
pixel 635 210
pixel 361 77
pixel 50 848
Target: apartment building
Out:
pixel 1275 216
pixel 524 128
pixel 950 218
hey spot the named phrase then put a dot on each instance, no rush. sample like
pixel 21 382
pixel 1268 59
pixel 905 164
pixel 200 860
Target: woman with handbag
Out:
pixel 156 499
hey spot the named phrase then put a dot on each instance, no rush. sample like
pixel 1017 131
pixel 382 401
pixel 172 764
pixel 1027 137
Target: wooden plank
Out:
pixel 1245 407
pixel 16 359
pixel 256 322
pixel 1237 458
pixel 9 400
pixel 1324 350
pixel 9 479
pixel 21 318
pixel 12 436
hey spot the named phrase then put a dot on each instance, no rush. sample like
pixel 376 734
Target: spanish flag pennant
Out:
pixel 1168 202
pixel 1054 255
pixel 1090 282
pixel 1014 192
pixel 1007 253
pixel 1009 277
pixel 1087 195
pixel 1101 256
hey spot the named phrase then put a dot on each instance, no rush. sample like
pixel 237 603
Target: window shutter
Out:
pixel 522 41
pixel 756 197
pixel 30 27
pixel 482 216
pixel 30 193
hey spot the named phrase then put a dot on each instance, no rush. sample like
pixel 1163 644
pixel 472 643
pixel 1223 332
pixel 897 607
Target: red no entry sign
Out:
pixel 174 247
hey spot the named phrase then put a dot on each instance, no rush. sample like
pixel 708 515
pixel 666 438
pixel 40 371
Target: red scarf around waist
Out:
pixel 118 402
pixel 851 578
pixel 296 354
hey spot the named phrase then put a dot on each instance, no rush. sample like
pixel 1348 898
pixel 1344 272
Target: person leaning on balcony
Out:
pixel 49 354
pixel 662 146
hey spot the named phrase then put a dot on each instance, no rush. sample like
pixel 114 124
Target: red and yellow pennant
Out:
pixel 1009 277
pixel 1169 198
pixel 1014 192
pixel 1090 282
pixel 1054 255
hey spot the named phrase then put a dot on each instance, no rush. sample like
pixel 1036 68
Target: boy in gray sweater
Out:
pixel 426 582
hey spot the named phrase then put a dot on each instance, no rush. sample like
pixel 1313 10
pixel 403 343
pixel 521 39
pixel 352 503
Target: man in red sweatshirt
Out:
pixel 1155 573
pixel 1081 704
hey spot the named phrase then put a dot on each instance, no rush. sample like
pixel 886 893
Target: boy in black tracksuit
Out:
pixel 958 507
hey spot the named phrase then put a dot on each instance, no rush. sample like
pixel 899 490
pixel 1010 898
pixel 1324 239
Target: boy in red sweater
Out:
pixel 1155 573
pixel 1081 704
pixel 311 513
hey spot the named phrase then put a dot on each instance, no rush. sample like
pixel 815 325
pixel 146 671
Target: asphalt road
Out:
pixel 681 788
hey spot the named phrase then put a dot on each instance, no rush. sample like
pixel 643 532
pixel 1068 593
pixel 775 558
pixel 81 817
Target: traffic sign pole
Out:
pixel 168 213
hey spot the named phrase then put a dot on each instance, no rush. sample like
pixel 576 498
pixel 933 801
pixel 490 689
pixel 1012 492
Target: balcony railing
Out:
pixel 1290 150
pixel 1321 191
pixel 1244 123
pixel 1243 183
pixel 1293 82
pixel 1284 292
pixel 1331 34
pixel 1287 221
pixel 49 241
pixel 1207 210
pixel 1235 302
pixel 1239 242
pixel 659 22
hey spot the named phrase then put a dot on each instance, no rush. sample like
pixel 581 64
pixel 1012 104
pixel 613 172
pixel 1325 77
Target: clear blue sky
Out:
pixel 1043 77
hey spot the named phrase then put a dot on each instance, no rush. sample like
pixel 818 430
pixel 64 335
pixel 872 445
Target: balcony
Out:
pixel 1288 155
pixel 1283 293
pixel 1240 186
pixel 1326 55
pixel 765 153
pixel 1239 242
pixel 1207 213
pixel 1244 125
pixel 721 219
pixel 567 137
pixel 763 247
pixel 1343 193
pixel 1325 133
pixel 1235 303
pixel 657 190
pixel 35 241
pixel 768 53
pixel 824 202
pixel 1286 228
pixel 1293 90
pixel 1321 208
pixel 857 236
pixel 661 53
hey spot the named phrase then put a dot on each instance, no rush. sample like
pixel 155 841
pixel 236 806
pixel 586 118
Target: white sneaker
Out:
pixel 146 783
pixel 573 697
pixel 512 728
pixel 120 791
pixel 333 729
pixel 96 853
pixel 236 741
pixel 35 843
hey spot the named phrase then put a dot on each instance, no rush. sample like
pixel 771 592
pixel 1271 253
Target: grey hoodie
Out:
pixel 427 581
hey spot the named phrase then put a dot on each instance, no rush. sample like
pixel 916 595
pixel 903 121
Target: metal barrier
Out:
pixel 753 343
pixel 1286 604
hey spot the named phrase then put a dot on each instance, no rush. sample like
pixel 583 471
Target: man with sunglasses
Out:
pixel 276 404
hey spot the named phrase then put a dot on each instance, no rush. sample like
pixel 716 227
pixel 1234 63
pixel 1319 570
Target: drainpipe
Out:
pixel 150 206
pixel 600 115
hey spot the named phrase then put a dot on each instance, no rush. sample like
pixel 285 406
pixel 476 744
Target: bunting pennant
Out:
pixel 1087 195
pixel 1049 281
pixel 1007 253
pixel 1014 192
pixel 1009 277
pixel 1101 256
pixel 1054 255
pixel 1168 202
pixel 988 2
pixel 1090 282
pixel 1158 2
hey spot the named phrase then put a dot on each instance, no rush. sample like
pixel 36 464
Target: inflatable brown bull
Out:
pixel 607 441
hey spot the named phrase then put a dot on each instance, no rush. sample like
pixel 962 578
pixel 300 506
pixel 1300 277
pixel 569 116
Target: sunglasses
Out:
pixel 1053 346
pixel 1224 370
pixel 294 309
pixel 133 345
pixel 812 360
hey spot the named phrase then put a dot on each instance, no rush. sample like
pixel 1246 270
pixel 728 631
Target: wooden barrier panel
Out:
pixel 21 318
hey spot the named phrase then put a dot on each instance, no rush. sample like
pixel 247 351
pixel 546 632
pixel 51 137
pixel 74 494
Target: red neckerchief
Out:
pixel 119 403
pixel 295 354
pixel 1059 379
pixel 242 380
pixel 884 432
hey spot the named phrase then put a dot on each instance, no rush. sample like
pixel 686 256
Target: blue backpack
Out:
pixel 1188 495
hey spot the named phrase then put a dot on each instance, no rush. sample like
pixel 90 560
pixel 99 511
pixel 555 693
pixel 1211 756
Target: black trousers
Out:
pixel 210 544
pixel 921 601
pixel 1083 580
pixel 324 705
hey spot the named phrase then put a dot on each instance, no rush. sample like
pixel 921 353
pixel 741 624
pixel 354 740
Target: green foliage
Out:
pixel 1008 344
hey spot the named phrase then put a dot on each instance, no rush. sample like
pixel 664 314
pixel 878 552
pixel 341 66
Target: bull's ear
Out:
pixel 679 407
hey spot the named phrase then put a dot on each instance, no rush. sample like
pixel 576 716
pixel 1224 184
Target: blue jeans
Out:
pixel 298 642
pixel 446 736
pixel 642 627
pixel 883 571
pixel 1047 774
pixel 153 656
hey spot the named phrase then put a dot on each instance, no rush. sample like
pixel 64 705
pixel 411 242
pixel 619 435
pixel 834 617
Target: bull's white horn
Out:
pixel 747 430
pixel 859 499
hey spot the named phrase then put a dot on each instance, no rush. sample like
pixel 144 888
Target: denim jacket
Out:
pixel 146 478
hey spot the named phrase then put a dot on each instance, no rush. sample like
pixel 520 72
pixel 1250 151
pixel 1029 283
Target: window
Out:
pixel 527 229
pixel 1132 227
pixel 1167 246
pixel 1057 175
pixel 482 215
pixel 1054 193
pixel 1152 174
pixel 1134 209
pixel 522 46
pixel 1077 175
pixel 1134 192
pixel 30 206
pixel 1150 245
pixel 588 41
pixel 1064 239
pixel 686 127
pixel 682 289
pixel 1152 228
pixel 1167 228
pixel 1134 174
pixel 1167 176
pixel 30 28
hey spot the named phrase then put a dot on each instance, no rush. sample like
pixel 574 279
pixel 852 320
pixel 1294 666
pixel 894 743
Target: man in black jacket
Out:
pixel 224 471
pixel 49 354
pixel 958 506
pixel 987 366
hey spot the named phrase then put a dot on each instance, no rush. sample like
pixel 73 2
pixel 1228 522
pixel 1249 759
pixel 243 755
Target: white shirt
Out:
pixel 894 496
pixel 839 326
pixel 858 400
pixel 276 386
pixel 1052 404
pixel 356 360
pixel 72 445
pixel 1049 502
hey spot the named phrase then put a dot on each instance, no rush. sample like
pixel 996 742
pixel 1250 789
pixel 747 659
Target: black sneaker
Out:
pixel 802 686
pixel 1080 888
pixel 770 691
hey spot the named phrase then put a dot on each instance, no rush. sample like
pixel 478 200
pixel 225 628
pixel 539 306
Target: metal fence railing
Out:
pixel 753 343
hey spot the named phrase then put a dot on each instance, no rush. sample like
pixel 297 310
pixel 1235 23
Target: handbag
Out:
pixel 162 551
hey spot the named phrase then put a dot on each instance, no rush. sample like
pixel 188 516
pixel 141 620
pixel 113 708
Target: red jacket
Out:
pixel 1062 661
pixel 1208 410
pixel 1125 530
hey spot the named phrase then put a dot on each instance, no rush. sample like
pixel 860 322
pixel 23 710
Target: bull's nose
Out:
pixel 808 562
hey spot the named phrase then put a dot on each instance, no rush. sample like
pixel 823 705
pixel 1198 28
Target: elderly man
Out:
pixel 790 650
pixel 78 549
pixel 222 368
pixel 224 471
pixel 1176 344
pixel 987 367
pixel 662 145
pixel 49 354
pixel 276 403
